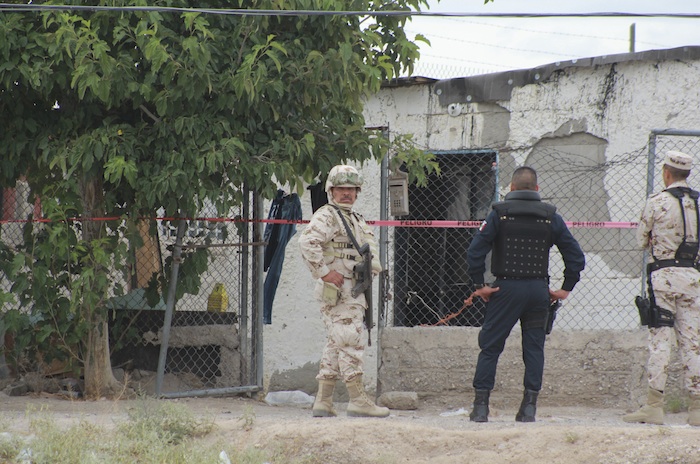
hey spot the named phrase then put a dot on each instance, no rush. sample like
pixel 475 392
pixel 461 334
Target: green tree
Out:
pixel 120 113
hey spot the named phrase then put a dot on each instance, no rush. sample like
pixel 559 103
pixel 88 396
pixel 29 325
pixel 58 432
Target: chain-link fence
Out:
pixel 211 341
pixel 204 342
pixel 430 277
pixel 600 197
pixel 433 70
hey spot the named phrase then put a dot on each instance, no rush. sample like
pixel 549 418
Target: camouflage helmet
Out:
pixel 343 176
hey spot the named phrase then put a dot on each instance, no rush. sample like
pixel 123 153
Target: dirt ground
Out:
pixel 433 433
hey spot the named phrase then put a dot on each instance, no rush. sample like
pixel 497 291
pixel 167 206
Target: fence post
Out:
pixel 169 306
pixel 258 290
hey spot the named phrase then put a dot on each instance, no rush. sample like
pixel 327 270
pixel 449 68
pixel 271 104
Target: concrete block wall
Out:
pixel 582 368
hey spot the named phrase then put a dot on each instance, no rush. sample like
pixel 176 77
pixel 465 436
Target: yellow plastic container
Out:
pixel 218 299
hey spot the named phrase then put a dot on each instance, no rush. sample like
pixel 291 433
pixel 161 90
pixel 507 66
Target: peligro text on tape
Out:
pixel 426 223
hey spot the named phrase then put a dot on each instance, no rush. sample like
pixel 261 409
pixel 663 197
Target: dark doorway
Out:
pixel 430 268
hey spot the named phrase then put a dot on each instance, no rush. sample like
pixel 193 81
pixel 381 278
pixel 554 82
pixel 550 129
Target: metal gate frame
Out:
pixel 250 312
pixel 653 167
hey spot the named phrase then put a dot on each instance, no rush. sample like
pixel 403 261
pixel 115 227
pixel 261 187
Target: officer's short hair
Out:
pixel 524 178
pixel 677 174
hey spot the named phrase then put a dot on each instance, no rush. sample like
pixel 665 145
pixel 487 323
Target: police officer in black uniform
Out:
pixel 520 231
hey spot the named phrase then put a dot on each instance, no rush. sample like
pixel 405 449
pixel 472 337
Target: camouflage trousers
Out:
pixel 342 355
pixel 678 290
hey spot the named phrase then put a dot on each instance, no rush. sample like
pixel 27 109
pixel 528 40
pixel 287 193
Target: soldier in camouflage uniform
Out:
pixel 676 288
pixel 329 253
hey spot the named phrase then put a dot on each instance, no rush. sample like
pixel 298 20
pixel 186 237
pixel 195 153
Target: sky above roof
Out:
pixel 469 45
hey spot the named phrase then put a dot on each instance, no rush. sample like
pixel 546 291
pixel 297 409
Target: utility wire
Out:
pixel 538 31
pixel 259 12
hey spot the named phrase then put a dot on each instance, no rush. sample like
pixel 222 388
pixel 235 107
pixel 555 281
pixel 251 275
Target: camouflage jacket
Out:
pixel 325 244
pixel 661 224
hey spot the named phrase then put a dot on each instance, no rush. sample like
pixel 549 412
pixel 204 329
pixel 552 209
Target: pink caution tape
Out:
pixel 434 223
pixel 466 224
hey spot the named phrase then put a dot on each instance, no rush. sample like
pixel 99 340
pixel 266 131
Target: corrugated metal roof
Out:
pixel 408 81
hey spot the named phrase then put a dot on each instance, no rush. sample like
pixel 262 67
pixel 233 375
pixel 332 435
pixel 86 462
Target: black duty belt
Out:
pixel 521 278
pixel 662 263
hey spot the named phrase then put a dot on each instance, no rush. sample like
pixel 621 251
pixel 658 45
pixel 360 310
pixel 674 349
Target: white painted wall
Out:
pixel 296 336
pixel 647 95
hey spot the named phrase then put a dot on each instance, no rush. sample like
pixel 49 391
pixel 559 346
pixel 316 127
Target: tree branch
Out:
pixel 150 115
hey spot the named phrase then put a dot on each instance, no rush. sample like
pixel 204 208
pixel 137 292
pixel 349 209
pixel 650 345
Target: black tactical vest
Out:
pixel 521 248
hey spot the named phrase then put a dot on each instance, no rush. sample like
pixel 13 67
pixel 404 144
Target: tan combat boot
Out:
pixel 694 410
pixel 650 413
pixel 360 405
pixel 323 404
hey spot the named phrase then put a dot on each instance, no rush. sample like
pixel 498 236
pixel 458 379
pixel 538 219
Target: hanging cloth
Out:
pixel 319 197
pixel 277 236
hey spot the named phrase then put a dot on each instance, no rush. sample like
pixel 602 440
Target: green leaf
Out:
pixel 205 104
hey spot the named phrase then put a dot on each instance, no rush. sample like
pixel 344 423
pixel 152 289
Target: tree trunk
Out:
pixel 99 379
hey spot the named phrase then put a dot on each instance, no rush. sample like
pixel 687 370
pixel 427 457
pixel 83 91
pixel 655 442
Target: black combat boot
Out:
pixel 480 408
pixel 528 407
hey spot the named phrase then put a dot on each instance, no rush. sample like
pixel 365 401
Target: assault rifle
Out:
pixel 363 279
pixel 363 274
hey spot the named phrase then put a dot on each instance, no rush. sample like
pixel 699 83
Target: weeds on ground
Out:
pixel 10 446
pixel 170 422
pixel 571 437
pixel 675 404
pixel 248 418
pixel 156 431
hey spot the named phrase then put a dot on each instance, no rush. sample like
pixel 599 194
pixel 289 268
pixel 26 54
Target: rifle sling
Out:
pixel 347 228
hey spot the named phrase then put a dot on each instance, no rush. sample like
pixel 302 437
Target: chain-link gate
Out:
pixel 600 197
pixel 662 141
pixel 210 341
pixel 203 343
pixel 430 277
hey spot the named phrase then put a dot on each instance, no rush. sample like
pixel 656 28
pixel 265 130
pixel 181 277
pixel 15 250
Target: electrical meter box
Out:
pixel 398 194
